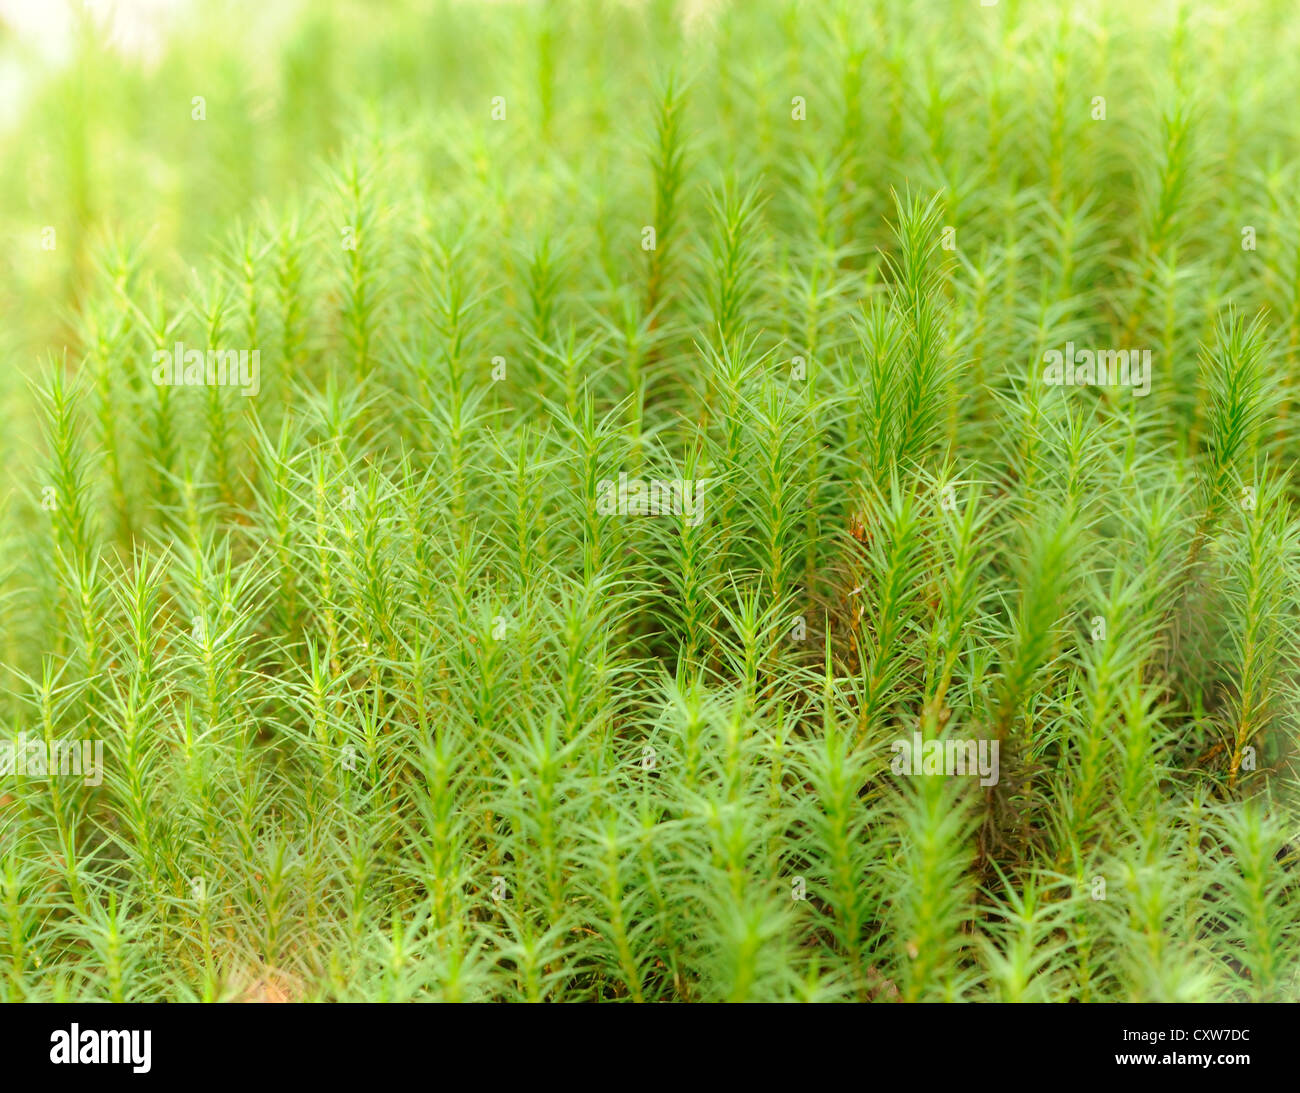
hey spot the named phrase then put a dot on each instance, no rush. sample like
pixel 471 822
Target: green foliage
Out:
pixel 395 703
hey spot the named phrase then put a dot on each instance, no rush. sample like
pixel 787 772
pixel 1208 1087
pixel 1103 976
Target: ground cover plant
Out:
pixel 654 421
